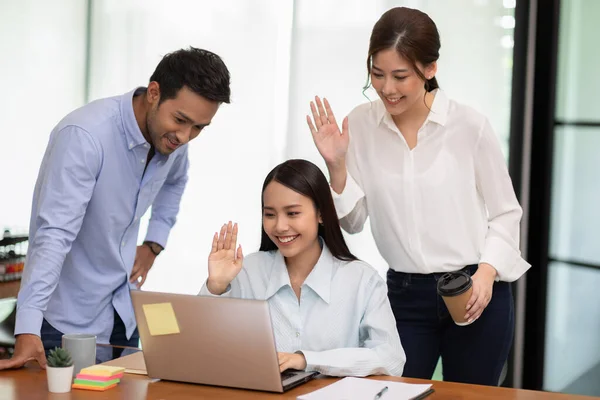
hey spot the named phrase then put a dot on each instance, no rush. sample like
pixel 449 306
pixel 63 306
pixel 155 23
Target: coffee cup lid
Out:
pixel 454 283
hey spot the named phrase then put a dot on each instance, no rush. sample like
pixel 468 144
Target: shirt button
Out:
pixel 297 334
pixel 122 244
pixel 142 161
pixel 146 145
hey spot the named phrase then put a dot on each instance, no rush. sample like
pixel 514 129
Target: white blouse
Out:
pixel 447 203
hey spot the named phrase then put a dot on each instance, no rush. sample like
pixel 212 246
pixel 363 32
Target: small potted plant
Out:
pixel 59 370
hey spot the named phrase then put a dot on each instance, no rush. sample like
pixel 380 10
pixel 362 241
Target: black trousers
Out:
pixel 52 337
pixel 474 353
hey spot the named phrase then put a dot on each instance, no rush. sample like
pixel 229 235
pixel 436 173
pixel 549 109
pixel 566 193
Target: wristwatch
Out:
pixel 155 248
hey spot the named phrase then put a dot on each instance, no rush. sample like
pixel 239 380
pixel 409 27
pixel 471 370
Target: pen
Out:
pixel 380 393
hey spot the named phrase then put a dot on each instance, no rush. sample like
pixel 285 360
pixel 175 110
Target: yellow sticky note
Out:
pixel 161 319
pixel 102 370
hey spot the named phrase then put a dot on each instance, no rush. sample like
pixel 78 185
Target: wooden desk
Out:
pixel 30 383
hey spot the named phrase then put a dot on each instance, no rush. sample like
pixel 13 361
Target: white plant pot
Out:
pixel 59 379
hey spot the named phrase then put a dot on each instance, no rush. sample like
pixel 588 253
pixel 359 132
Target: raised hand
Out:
pixel 224 262
pixel 330 141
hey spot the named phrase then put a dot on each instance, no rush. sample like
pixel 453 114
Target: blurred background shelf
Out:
pixel 13 248
pixel 12 240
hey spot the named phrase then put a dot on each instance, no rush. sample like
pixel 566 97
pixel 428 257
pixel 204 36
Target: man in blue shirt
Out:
pixel 106 163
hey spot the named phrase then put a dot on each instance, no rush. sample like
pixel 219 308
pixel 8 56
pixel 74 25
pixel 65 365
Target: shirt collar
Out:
pixel 319 279
pixel 439 108
pixel 437 114
pixel 133 134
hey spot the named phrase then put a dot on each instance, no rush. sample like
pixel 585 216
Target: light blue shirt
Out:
pixel 89 196
pixel 343 323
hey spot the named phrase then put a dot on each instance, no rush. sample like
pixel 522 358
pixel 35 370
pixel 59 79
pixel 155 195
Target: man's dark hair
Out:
pixel 201 71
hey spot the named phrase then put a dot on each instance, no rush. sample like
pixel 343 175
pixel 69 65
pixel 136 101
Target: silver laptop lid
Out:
pixel 221 341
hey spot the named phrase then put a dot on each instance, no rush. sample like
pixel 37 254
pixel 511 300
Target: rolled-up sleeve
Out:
pixel 64 188
pixel 167 202
pixel 350 205
pixel 347 201
pixel 501 248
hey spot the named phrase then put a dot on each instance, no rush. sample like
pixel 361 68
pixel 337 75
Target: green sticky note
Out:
pixel 88 382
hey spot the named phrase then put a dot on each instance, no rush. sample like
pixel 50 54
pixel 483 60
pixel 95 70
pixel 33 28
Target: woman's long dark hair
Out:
pixel 307 179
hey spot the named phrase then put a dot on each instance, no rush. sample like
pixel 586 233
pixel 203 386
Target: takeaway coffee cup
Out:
pixel 456 289
pixel 82 348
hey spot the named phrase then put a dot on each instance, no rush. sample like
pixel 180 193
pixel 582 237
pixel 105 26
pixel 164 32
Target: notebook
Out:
pixel 361 388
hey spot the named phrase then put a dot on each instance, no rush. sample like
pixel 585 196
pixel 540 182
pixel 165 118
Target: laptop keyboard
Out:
pixel 287 374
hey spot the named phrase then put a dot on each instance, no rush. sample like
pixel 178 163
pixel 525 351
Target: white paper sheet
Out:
pixel 365 389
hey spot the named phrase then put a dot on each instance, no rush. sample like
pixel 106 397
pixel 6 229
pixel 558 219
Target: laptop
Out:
pixel 221 341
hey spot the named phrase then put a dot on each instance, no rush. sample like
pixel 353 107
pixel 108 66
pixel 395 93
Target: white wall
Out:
pixel 280 54
pixel 42 79
pixel 231 158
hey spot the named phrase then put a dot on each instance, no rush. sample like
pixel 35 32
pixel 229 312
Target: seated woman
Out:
pixel 330 311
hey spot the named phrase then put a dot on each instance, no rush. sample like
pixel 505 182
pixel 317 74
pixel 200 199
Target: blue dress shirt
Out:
pixel 89 197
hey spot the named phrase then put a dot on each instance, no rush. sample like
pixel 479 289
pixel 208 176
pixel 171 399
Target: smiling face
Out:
pixel 291 220
pixel 176 121
pixel 397 83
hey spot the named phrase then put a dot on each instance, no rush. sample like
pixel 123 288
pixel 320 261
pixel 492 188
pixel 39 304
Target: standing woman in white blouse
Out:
pixel 330 311
pixel 430 174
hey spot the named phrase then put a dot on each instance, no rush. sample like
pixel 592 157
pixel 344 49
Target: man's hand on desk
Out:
pixel 27 348
pixel 144 259
pixel 291 361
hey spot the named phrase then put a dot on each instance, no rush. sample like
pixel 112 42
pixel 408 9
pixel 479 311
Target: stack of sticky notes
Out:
pixel 98 377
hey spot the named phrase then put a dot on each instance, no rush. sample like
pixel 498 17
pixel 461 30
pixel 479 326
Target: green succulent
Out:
pixel 59 358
